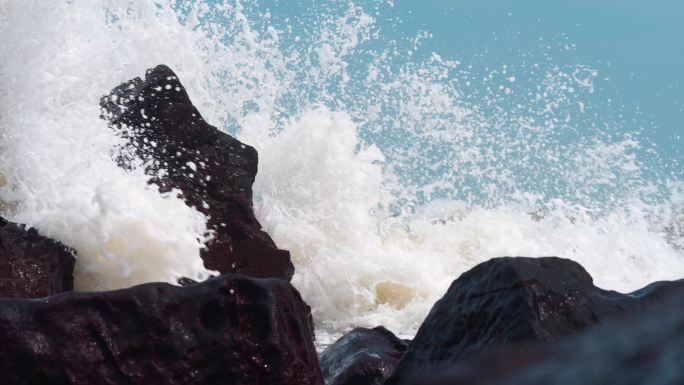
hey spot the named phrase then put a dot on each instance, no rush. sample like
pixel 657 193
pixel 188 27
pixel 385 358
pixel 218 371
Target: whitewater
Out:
pixel 386 169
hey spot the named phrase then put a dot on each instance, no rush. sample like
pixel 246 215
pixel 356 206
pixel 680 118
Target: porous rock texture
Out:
pixel 213 170
pixel 228 330
pixel 32 266
pixel 362 357
pixel 508 301
pixel 647 349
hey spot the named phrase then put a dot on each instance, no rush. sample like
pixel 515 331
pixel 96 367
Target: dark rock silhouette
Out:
pixel 647 349
pixel 32 266
pixel 213 170
pixel 508 301
pixel 362 357
pixel 227 330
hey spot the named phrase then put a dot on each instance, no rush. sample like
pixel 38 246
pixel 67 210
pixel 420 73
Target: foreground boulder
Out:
pixel 228 330
pixel 213 170
pixel 508 301
pixel 32 266
pixel 362 357
pixel 647 349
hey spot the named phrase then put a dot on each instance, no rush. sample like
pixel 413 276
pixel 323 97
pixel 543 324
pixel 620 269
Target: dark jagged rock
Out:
pixel 228 330
pixel 32 266
pixel 362 357
pixel 647 349
pixel 508 301
pixel 213 170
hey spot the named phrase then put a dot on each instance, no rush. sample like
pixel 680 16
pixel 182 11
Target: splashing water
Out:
pixel 385 168
pixel 56 154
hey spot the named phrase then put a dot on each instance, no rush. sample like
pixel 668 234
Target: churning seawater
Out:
pixel 386 168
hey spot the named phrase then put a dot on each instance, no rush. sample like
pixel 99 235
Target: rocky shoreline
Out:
pixel 506 321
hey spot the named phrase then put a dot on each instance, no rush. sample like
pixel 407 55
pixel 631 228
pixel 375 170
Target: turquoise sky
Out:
pixel 637 46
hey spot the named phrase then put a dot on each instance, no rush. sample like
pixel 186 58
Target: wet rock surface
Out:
pixel 228 330
pixel 213 170
pixel 647 349
pixel 32 266
pixel 508 301
pixel 362 357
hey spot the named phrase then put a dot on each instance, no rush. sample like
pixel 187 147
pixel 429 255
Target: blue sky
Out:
pixel 637 46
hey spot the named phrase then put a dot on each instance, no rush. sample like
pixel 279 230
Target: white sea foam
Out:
pixel 56 61
pixel 386 177
pixel 358 266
